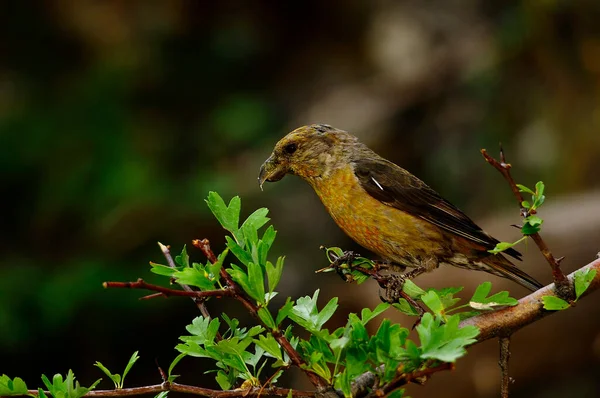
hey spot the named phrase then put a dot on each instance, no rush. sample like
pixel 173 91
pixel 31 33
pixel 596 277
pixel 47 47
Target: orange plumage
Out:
pixel 383 207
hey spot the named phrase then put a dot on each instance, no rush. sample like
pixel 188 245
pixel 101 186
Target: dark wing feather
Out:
pixel 395 187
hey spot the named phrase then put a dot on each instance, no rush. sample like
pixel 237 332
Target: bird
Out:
pixel 384 208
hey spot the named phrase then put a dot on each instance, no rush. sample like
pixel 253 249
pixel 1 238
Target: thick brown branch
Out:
pixel 565 290
pixel 530 308
pixel 165 291
pixel 316 380
pixel 199 301
pixel 193 390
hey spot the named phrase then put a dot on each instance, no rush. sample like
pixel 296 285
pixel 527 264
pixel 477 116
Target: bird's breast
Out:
pixel 393 234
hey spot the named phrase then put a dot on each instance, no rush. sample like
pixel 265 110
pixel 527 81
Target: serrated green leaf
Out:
pixel 553 303
pixel 14 386
pixel 432 300
pixel 528 229
pixel 227 215
pixel 194 276
pixel 367 315
pixel 223 380
pixel 270 345
pixel 446 296
pixel 480 300
pixel 253 223
pixel 444 342
pixel 582 281
pixel 533 220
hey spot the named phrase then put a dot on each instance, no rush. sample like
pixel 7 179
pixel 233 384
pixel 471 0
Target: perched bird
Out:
pixel 383 207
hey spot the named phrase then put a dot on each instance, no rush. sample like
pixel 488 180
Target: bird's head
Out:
pixel 309 152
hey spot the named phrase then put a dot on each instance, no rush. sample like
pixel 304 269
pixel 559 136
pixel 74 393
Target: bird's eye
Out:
pixel 290 148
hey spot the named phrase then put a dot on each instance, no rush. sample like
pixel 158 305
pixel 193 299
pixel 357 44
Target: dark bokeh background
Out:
pixel 117 118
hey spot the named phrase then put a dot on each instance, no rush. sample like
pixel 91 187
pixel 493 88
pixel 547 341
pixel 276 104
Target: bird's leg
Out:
pixel 346 258
pixel 414 273
pixel 392 285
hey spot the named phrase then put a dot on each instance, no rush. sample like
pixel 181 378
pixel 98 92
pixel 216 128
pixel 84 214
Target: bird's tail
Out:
pixel 501 266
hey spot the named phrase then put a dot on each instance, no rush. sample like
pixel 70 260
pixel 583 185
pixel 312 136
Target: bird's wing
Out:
pixel 395 187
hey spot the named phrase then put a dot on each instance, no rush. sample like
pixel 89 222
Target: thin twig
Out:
pixel 503 362
pixel 506 321
pixel 193 390
pixel 565 289
pixel 405 378
pixel 166 250
pixel 165 291
pixel 320 383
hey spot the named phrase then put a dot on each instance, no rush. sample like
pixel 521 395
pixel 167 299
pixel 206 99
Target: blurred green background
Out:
pixel 118 117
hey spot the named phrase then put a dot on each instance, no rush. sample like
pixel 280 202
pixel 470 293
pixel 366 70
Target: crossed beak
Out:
pixel 271 170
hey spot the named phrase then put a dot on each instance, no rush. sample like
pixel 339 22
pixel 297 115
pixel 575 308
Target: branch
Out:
pixel 503 362
pixel 506 321
pixel 198 300
pixel 405 378
pixel 167 292
pixel 193 390
pixel 565 289
pixel 316 380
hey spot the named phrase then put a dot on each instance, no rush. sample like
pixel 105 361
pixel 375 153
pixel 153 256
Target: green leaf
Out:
pixel 116 378
pixel 270 345
pixel 256 283
pixel 528 229
pixel 367 315
pixel 178 358
pixel 432 300
pixel 253 223
pixel 274 273
pixel 533 220
pixel 305 312
pixel 266 318
pixel 203 330
pixel 404 306
pixel 14 386
pixel 240 277
pixel 444 342
pixel 539 189
pixel 194 276
pixel 582 280
pixel 525 204
pixel 412 290
pixel 132 360
pixel 238 251
pixel 553 303
pixel 223 380
pixel 480 301
pixel 446 296
pixel 163 270
pixel 284 311
pixel 501 246
pixel 67 387
pixel 523 188
pixel 227 215
pixel 183 259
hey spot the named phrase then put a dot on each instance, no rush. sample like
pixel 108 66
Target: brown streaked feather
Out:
pixel 393 186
